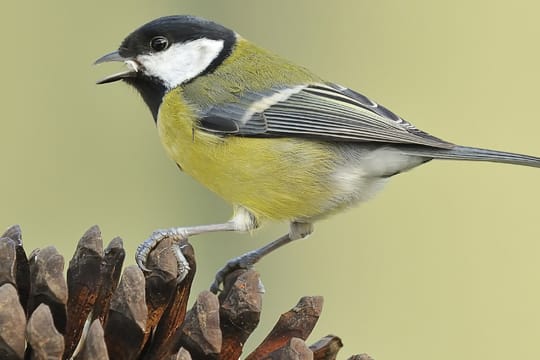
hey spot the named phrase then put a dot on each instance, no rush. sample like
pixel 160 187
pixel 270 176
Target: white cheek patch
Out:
pixel 182 61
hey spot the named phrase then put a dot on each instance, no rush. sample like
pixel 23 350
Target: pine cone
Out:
pixel 102 313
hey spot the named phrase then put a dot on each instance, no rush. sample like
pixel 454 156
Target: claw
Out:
pixel 214 288
pixel 141 254
pixel 144 249
pixel 245 261
pixel 183 265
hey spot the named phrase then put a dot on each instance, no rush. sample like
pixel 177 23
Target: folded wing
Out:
pixel 325 112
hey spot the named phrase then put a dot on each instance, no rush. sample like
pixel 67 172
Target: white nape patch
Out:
pixel 181 62
pixel 267 101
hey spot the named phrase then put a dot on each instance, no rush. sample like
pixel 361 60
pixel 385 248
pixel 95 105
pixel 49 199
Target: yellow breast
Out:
pixel 275 178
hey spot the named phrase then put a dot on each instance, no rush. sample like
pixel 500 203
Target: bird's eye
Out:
pixel 159 43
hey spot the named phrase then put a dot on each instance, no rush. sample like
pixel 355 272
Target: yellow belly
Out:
pixel 275 178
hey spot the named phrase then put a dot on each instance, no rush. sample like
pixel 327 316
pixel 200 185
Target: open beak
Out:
pixel 132 70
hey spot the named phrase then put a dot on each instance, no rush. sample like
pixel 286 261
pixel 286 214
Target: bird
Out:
pixel 269 136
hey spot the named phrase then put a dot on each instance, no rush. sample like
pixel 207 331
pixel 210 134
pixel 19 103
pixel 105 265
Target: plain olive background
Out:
pixel 441 265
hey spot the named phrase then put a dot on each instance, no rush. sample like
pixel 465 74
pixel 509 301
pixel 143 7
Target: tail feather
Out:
pixel 472 153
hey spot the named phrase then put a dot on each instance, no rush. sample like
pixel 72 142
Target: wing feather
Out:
pixel 326 112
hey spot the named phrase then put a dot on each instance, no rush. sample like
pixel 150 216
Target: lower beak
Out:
pixel 115 56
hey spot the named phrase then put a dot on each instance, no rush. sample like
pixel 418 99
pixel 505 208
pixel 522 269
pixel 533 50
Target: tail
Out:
pixel 471 153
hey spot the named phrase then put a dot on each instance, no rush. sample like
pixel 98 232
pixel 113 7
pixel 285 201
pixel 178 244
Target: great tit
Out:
pixel 268 136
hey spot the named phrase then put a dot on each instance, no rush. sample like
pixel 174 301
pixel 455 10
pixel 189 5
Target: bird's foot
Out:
pixel 245 261
pixel 144 249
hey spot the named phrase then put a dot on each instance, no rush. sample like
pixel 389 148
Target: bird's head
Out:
pixel 168 52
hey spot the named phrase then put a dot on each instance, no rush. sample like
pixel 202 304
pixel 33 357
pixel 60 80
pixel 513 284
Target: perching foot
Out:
pixel 144 249
pixel 244 261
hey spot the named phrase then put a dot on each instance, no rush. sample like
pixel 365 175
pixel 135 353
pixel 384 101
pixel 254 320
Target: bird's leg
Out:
pixel 297 231
pixel 177 234
pixel 242 220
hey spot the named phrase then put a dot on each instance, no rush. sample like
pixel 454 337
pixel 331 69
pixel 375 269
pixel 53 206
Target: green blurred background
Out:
pixel 443 264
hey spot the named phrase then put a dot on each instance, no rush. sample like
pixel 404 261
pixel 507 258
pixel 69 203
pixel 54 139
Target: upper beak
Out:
pixel 115 56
